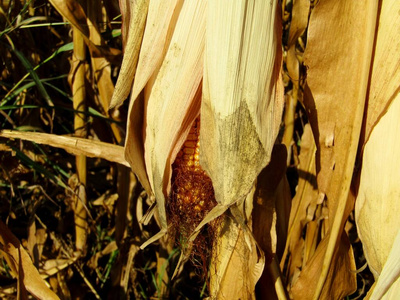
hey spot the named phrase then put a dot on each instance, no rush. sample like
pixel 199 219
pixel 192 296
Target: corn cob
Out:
pixel 192 191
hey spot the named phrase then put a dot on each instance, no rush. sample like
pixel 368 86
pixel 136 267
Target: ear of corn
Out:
pixel 171 103
pixel 192 193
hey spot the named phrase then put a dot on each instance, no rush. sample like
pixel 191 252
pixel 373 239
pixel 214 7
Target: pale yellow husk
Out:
pixel 378 206
pixel 242 97
pixel 171 102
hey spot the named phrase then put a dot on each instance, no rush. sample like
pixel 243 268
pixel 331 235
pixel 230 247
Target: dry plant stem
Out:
pixel 79 94
pixel 73 145
pixel 277 279
pixel 100 65
pixel 290 110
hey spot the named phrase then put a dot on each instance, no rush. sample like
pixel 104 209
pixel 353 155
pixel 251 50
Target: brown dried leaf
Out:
pixel 73 12
pixel 300 11
pixel 100 66
pixel 21 266
pixel 306 193
pixel 341 279
pixel 270 217
pixel 76 146
pixel 268 198
pixel 338 58
pixel 54 266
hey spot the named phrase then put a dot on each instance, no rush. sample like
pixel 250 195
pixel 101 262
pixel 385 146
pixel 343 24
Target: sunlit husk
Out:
pixel 378 206
pixel 385 75
pixel 134 20
pixel 171 103
pixel 242 95
pixel 240 116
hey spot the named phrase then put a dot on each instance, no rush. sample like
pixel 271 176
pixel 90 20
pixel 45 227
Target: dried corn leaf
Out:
pixel 385 76
pixel 338 58
pixel 306 193
pixel 377 206
pixel 242 97
pixel 269 216
pixel 73 12
pixel 21 266
pixel 171 105
pixel 100 66
pixel 133 24
pixel 73 145
pixel 341 279
pixel 299 21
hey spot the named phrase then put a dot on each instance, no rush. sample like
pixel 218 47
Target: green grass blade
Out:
pixel 34 75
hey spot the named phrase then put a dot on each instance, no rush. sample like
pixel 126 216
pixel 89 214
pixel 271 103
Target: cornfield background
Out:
pixel 88 117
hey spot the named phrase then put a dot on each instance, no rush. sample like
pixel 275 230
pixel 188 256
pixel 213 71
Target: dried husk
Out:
pixel 385 76
pixel 242 97
pixel 234 269
pixel 388 284
pixel 134 19
pixel 152 52
pixel 170 104
pixel 160 24
pixel 377 206
pixel 240 114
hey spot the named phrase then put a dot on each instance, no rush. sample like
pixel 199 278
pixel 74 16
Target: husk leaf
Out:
pixel 388 284
pixel 385 76
pixel 234 269
pixel 171 104
pixel 242 97
pixel 161 21
pixel 377 206
pixel 134 20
